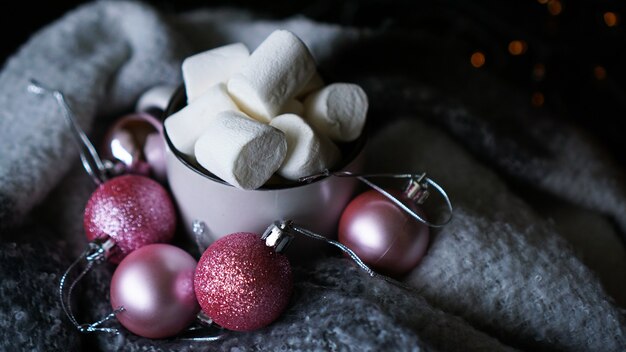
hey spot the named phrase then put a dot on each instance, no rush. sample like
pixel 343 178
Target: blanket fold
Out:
pixel 534 258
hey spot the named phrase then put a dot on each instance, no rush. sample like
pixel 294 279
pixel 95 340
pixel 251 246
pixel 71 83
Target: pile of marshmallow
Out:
pixel 250 116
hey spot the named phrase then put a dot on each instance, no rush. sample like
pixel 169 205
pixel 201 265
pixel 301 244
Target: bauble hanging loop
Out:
pixel 123 214
pixel 131 210
pixel 287 228
pixel 95 253
pixel 387 228
pixel 88 155
pixel 417 184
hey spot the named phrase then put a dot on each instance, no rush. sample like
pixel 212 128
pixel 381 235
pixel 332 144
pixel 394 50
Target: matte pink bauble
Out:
pixel 383 235
pixel 154 285
pixel 241 283
pixel 133 211
pixel 136 141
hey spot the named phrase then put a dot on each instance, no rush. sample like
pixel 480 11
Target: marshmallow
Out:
pixel 292 106
pixel 157 97
pixel 307 153
pixel 316 82
pixel 241 151
pixel 185 126
pixel 338 111
pixel 278 69
pixel 204 70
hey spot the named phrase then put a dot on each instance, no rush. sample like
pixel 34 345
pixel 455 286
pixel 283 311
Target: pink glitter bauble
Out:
pixel 133 211
pixel 383 235
pixel 154 284
pixel 241 283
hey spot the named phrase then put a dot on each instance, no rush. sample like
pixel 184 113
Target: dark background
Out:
pixel 571 65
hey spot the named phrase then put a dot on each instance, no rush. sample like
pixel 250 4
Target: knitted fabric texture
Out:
pixel 533 259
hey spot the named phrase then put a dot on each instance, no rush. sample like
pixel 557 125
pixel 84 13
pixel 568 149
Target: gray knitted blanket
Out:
pixel 533 260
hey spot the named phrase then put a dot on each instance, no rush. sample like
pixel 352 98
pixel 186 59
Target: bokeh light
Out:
pixel 517 47
pixel 555 7
pixel 537 99
pixel 477 59
pixel 610 19
pixel 599 72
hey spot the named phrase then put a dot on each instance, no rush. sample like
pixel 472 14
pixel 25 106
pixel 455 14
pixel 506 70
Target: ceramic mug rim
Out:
pixel 350 150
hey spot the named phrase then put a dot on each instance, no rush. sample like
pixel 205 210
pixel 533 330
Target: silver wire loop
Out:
pixel 95 253
pixel 421 180
pixel 88 156
pixel 205 330
pixel 294 230
pixel 290 227
pixel 94 327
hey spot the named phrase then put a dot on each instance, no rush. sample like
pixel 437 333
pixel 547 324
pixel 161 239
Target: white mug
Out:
pixel 223 209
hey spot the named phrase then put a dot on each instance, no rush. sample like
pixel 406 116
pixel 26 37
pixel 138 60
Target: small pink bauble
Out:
pixel 136 141
pixel 383 235
pixel 133 211
pixel 154 285
pixel 241 283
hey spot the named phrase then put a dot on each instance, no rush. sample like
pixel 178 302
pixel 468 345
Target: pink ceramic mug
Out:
pixel 224 209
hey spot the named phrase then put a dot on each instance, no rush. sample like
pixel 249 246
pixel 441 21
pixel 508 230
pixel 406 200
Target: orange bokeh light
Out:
pixel 477 59
pixel 517 47
pixel 599 72
pixel 537 99
pixel 610 19
pixel 555 7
